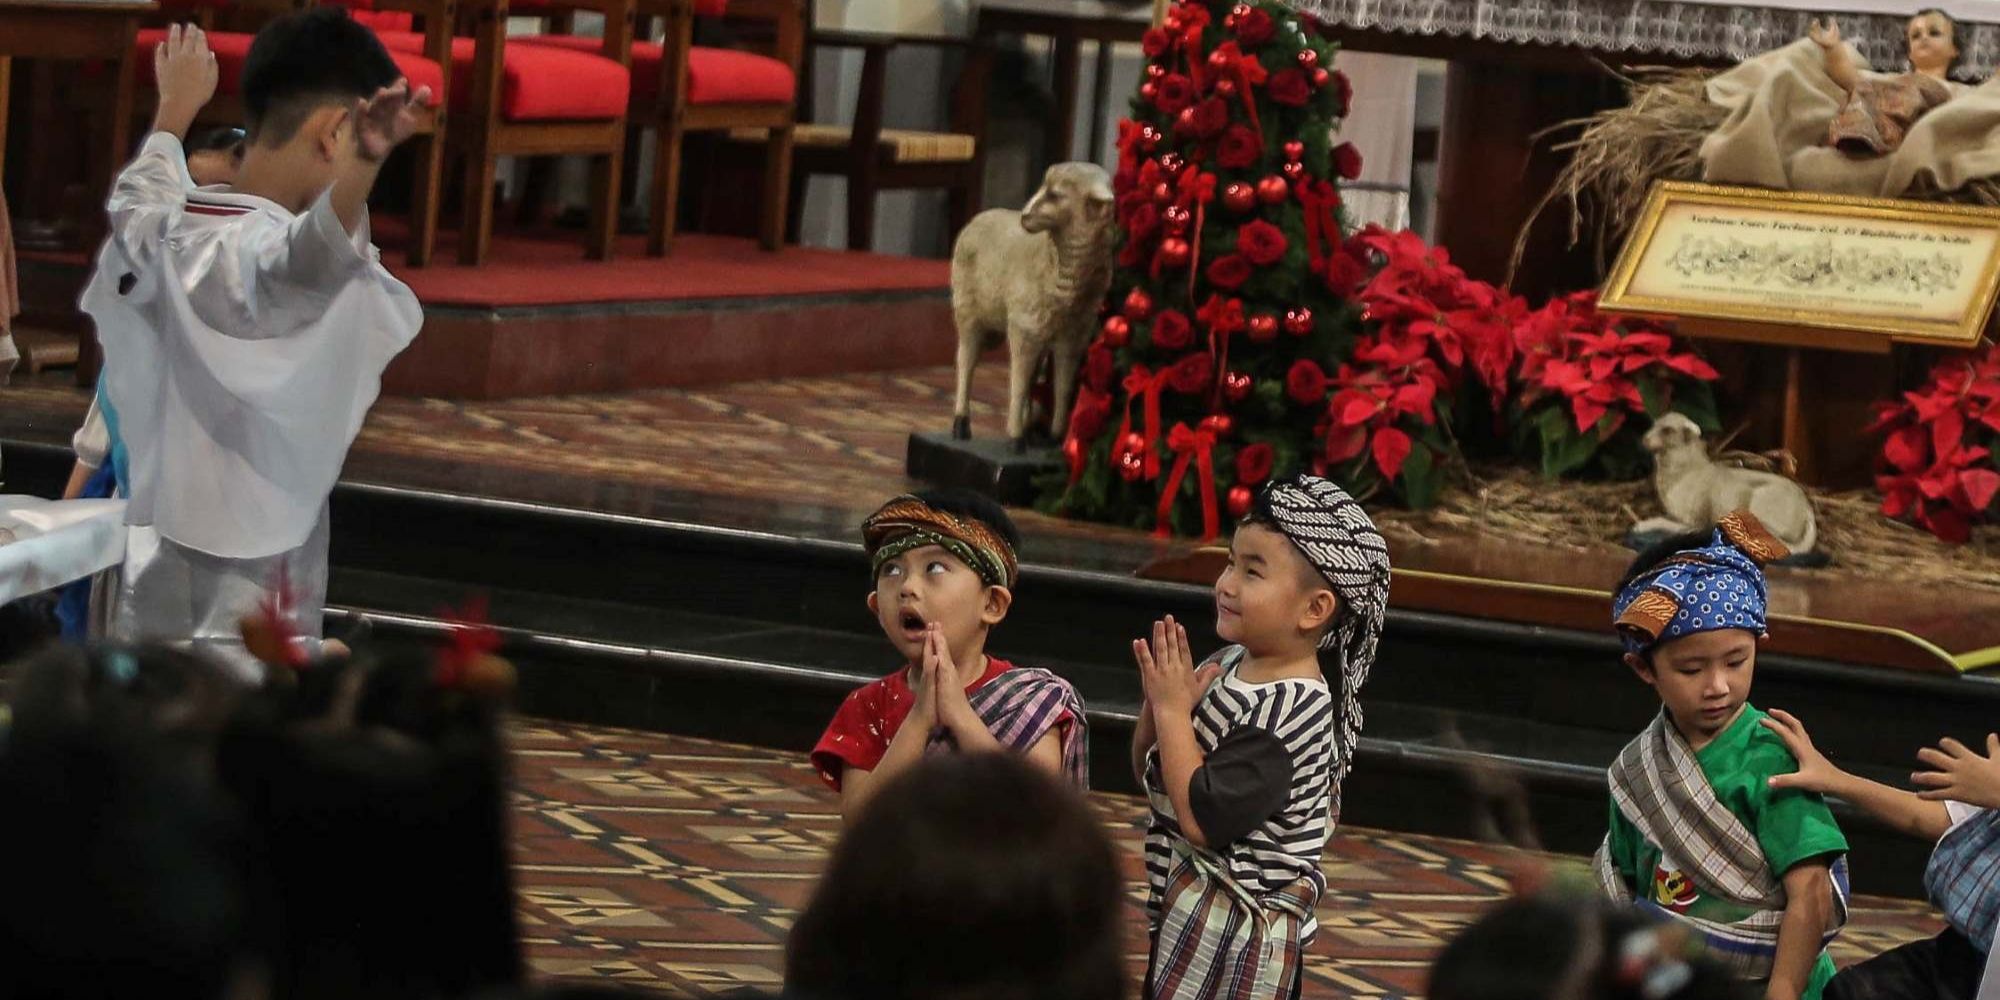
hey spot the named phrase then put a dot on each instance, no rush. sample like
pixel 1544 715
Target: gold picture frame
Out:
pixel 1763 264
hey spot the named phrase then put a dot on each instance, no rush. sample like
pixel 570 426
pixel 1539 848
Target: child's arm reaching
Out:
pixel 150 192
pixel 185 72
pixel 1960 774
pixel 1166 668
pixel 1901 810
pixel 380 124
pixel 1802 932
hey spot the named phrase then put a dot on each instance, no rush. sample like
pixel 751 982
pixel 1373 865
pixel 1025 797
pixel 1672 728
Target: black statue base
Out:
pixel 985 465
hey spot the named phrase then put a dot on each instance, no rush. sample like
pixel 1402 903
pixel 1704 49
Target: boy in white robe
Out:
pixel 245 330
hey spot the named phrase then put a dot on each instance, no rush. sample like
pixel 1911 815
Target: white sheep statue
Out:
pixel 1037 278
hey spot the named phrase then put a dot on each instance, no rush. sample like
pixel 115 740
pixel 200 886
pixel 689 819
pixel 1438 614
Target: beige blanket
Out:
pixel 1780 104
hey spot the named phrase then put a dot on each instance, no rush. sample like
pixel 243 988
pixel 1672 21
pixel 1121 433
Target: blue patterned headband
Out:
pixel 1708 589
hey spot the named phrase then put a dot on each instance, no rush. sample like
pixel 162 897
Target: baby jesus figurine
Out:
pixel 1880 109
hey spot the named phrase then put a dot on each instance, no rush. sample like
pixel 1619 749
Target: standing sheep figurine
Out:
pixel 1037 278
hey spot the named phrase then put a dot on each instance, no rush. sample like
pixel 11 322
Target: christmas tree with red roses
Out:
pixel 1223 326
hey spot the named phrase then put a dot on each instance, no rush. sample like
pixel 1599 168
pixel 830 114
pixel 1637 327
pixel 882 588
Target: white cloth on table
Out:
pixel 243 345
pixel 45 544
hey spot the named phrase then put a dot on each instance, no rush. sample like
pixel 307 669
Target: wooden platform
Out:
pixel 540 320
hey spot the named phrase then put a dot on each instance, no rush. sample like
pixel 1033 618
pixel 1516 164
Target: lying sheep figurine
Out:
pixel 1696 490
pixel 1036 277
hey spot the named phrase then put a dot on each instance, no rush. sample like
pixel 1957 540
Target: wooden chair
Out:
pixel 531 100
pixel 422 66
pixel 679 87
pixel 874 157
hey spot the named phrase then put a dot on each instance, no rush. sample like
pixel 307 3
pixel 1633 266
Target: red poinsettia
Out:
pixel 1239 148
pixel 1229 271
pixel 1347 161
pixel 1254 27
pixel 1937 466
pixel 1173 92
pixel 1191 374
pixel 1596 365
pixel 1289 87
pixel 1253 463
pixel 1306 382
pixel 1210 117
pixel 1172 331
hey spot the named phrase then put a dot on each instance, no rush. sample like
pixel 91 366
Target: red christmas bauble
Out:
pixel 1273 190
pixel 1239 197
pixel 1150 137
pixel 1073 454
pixel 1293 171
pixel 1221 424
pixel 1138 305
pixel 1238 502
pixel 1320 77
pixel 1295 151
pixel 1174 252
pixel 1117 331
pixel 1177 218
pixel 1308 58
pixel 1173 163
pixel 1298 322
pixel 1154 71
pixel 1225 87
pixel 1239 12
pixel 1262 328
pixel 1131 444
pixel 1236 386
pixel 1131 467
pixel 1163 192
pixel 1184 122
pixel 1147 92
pixel 1219 61
pixel 1172 22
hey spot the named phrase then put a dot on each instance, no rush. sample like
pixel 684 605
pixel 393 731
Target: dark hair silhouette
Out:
pixel 976 506
pixel 378 802
pixel 971 877
pixel 304 61
pixel 1550 948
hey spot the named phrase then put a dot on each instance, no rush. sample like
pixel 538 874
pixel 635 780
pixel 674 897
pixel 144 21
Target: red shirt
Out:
pixel 868 720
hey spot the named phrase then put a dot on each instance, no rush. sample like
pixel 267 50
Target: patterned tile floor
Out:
pixel 677 865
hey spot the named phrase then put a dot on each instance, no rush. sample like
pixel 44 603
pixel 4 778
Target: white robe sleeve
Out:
pixel 148 198
pixel 92 441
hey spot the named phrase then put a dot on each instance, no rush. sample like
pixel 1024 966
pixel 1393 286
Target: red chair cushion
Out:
pixel 539 83
pixel 715 76
pixel 232 48
pixel 385 20
pixel 711 8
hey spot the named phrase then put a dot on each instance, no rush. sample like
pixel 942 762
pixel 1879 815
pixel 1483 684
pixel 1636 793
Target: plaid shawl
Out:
pixel 1963 877
pixel 1215 942
pixel 1020 707
pixel 1660 787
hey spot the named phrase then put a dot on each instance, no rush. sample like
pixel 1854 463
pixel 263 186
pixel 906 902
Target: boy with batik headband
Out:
pixel 1242 758
pixel 945 570
pixel 1697 832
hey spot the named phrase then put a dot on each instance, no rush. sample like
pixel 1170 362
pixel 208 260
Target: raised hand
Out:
pixel 1815 773
pixel 382 122
pixel 1961 774
pixel 186 75
pixel 1826 36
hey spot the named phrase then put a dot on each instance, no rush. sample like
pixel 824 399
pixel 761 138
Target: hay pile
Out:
pixel 1616 156
pixel 1515 504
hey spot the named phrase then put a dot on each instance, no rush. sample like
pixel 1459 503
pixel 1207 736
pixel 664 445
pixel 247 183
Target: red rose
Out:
pixel 1191 374
pixel 1289 87
pixel 1344 89
pixel 1306 382
pixel 1347 160
pixel 1229 272
pixel 1238 149
pixel 1092 413
pixel 1253 463
pixel 1172 331
pixel 1261 242
pixel 1156 43
pixel 1173 92
pixel 1098 367
pixel 1344 273
pixel 1210 117
pixel 1255 28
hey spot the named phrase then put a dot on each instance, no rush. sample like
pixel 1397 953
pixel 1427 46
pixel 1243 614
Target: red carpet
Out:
pixel 549 269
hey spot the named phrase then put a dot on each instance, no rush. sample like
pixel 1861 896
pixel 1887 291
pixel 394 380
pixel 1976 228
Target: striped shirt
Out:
pixel 1287 846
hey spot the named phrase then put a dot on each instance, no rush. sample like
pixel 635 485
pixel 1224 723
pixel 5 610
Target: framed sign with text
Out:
pixel 1902 270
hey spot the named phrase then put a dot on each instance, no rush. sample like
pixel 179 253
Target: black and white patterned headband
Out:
pixel 1340 541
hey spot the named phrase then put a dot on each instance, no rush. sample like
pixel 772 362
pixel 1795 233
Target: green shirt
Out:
pixel 1792 826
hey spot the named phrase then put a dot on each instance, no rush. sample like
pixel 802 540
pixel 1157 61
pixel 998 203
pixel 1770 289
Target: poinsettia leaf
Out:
pixel 1391 448
pixel 1947 432
pixel 1907 449
pixel 1980 485
pixel 1946 523
pixel 1423 477
pixel 1654 395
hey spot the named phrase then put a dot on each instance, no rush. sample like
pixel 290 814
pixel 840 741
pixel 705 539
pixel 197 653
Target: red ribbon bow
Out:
pixel 1197 445
pixel 1249 74
pixel 1143 382
pixel 1321 201
pixel 1223 317
pixel 1197 188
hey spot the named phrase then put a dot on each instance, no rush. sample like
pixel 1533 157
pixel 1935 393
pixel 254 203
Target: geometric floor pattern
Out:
pixel 677 865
